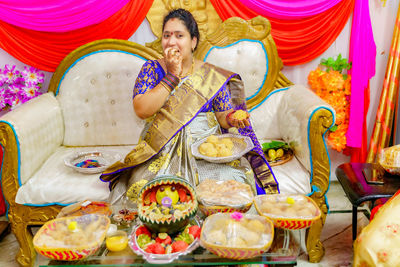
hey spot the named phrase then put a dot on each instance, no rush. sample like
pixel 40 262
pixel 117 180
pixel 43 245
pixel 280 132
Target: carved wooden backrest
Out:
pixel 246 46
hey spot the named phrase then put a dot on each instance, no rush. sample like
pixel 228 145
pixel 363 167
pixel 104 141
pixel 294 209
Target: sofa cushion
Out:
pixel 292 178
pixel 55 183
pixel 231 57
pixel 37 136
pixel 95 96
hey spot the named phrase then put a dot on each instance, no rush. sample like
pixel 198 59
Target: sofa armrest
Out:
pixel 303 120
pixel 29 135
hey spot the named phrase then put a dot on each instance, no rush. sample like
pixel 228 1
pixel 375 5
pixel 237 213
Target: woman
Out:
pixel 182 100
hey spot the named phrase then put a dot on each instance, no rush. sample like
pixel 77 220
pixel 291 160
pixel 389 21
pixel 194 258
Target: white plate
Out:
pixel 241 145
pixel 105 159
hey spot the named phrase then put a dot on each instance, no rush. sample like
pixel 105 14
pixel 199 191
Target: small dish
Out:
pixel 117 240
pixel 241 145
pixel 95 161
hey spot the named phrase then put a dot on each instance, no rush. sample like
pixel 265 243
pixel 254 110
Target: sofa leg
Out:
pixel 26 254
pixel 315 248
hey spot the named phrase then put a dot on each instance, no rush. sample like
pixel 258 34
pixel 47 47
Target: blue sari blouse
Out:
pixel 152 73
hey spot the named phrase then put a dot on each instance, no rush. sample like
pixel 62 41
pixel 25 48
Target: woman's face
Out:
pixel 177 36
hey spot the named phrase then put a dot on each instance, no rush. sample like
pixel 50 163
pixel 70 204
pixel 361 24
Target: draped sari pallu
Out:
pixel 180 109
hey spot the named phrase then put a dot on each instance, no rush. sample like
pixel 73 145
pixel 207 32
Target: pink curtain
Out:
pixel 57 15
pixel 289 9
pixel 362 56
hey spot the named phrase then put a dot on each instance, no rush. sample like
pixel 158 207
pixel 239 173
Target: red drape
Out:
pixel 301 40
pixel 45 50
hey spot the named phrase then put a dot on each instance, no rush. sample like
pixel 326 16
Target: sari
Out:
pixel 379 242
pixel 164 145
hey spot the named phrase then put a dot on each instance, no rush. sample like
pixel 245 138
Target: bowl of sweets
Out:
pixel 166 204
pixel 236 235
pixel 161 247
pixel 288 211
pixel 389 159
pixel 71 238
pixel 223 196
pixel 222 148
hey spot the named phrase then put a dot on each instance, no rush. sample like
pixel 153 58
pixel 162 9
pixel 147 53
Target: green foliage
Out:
pixel 274 144
pixel 339 64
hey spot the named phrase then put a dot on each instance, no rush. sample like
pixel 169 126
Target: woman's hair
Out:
pixel 188 20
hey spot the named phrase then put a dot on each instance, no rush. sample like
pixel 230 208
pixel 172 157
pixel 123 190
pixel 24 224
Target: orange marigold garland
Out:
pixel 334 87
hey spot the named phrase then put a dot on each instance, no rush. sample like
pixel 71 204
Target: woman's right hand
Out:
pixel 173 61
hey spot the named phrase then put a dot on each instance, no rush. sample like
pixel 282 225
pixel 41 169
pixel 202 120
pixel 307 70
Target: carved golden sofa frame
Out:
pixel 22 217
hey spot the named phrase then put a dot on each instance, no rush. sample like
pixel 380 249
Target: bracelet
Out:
pixel 170 81
pixel 227 118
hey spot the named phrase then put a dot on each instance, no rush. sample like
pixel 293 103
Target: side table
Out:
pixel 365 182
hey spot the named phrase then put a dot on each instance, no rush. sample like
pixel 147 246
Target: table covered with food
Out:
pixel 173 221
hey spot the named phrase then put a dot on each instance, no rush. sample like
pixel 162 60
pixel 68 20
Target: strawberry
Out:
pixel 179 246
pixel 182 195
pixel 164 238
pixel 155 248
pixel 195 231
pixel 143 230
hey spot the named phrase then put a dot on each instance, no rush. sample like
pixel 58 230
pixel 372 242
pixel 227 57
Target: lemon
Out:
pixel 279 153
pixel 290 200
pixel 272 154
pixel 72 226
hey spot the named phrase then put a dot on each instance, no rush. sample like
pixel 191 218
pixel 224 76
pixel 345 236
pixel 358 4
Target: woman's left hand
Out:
pixel 240 121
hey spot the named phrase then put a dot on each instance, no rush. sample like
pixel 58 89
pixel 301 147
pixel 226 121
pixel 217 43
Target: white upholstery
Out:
pixel 246 57
pixel 94 108
pixel 56 183
pixel 100 86
pixel 292 178
pixel 281 116
pixel 37 136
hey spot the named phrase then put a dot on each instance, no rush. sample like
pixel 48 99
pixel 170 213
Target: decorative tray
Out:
pixel 91 161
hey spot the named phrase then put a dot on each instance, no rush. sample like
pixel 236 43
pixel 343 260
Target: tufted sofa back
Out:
pixel 245 57
pixel 95 95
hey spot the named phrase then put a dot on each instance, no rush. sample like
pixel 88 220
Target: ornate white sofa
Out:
pixel 89 106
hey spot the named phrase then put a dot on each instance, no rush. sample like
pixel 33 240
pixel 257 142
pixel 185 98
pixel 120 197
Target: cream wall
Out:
pixel 382 23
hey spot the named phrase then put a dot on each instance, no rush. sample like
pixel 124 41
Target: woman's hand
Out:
pixel 238 119
pixel 173 61
pixel 227 119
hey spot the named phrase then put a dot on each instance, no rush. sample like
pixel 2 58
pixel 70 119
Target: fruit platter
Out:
pixel 162 248
pixel 277 152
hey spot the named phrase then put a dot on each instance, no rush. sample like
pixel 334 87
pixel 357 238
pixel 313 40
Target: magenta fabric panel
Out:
pixel 289 9
pixel 57 15
pixel 362 55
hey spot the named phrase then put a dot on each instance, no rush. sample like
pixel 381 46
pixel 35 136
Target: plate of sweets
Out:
pixel 237 235
pixel 90 162
pixel 222 148
pixel 389 159
pixel 161 247
pixel 223 196
pixel 71 238
pixel 288 211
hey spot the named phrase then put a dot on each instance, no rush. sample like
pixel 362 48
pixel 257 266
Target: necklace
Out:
pixel 191 69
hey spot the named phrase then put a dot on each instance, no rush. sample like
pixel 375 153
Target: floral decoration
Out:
pixel 334 87
pixel 237 216
pixel 17 87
